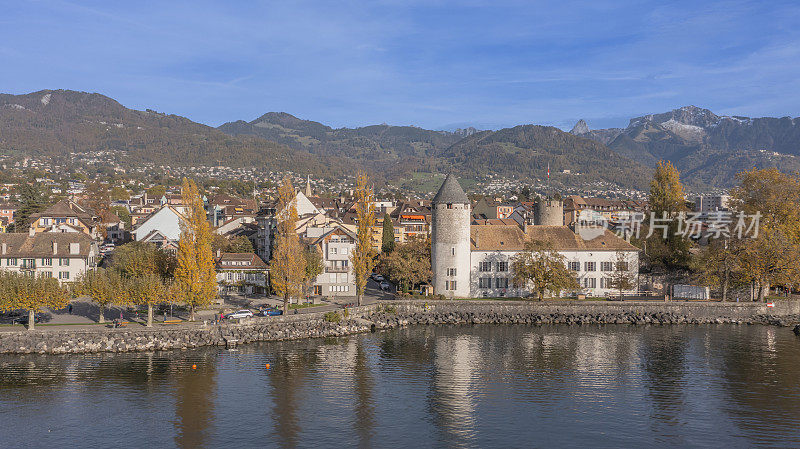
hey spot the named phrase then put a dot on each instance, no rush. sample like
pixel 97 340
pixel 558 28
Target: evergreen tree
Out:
pixel 387 243
pixel 32 200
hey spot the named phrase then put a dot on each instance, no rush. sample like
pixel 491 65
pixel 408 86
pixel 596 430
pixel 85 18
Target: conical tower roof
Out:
pixel 451 192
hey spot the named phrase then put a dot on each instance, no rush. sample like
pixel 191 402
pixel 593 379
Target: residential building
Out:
pixel 66 216
pixel 7 212
pixel 242 272
pixel 162 228
pixel 337 278
pixel 712 203
pixel 64 256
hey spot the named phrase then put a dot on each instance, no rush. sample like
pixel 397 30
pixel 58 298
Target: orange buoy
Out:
pixel 267 365
pixel 194 366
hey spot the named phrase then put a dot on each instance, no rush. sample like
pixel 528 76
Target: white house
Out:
pixel 337 279
pixel 65 256
pixel 243 272
pixel 475 260
pixel 164 223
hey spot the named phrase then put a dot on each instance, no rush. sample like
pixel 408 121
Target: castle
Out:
pixel 475 260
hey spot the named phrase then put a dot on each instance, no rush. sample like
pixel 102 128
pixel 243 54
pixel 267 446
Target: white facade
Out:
pixel 491 274
pixel 166 220
pixel 58 255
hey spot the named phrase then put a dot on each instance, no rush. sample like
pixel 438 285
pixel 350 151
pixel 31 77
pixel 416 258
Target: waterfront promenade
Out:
pixel 389 314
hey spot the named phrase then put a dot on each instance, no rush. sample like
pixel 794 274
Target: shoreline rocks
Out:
pixel 395 314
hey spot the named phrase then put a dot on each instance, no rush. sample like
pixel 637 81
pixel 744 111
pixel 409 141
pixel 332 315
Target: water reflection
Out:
pixel 459 386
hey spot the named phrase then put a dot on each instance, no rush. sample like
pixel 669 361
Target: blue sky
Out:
pixel 427 63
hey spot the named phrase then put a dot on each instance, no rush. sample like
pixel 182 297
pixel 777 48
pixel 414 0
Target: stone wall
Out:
pixel 393 314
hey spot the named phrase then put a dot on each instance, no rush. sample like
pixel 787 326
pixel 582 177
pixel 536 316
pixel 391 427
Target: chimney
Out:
pixel 55 248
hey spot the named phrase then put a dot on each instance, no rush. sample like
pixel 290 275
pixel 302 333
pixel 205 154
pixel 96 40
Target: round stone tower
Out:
pixel 548 212
pixel 450 250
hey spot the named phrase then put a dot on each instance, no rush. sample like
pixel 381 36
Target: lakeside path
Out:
pixel 389 314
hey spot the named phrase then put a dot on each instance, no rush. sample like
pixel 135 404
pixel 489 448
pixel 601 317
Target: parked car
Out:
pixel 271 311
pixel 23 319
pixel 385 286
pixel 244 313
pixel 377 277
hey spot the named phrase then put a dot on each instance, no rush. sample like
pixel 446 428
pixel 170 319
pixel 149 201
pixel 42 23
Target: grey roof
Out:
pixel 41 244
pixel 451 192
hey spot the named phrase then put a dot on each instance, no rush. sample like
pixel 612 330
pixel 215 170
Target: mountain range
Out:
pixel 707 148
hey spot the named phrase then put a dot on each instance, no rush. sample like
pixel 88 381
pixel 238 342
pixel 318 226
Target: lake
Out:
pixel 448 386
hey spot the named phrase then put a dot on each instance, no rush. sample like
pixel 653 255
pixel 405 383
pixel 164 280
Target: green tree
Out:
pixel 124 215
pixel 32 200
pixel 135 259
pixel 540 267
pixel 410 263
pixel 240 244
pixel 387 243
pixel 156 192
pixel 314 266
pixel 120 194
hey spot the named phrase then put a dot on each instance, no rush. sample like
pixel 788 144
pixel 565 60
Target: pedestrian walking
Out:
pixel 70 308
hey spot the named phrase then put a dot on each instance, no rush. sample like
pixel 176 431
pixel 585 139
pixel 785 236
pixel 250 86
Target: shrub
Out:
pixel 332 317
pixel 390 309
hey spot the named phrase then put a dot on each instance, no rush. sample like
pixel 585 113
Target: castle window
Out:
pixel 451 271
pixel 485 266
pixel 574 266
pixel 591 266
pixel 589 282
pixel 501 283
pixel 453 250
pixel 502 266
pixel 485 283
pixel 449 285
pixel 606 266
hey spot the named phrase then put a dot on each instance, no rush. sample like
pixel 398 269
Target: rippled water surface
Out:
pixel 466 386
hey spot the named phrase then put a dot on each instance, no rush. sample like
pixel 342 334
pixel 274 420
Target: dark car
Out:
pixel 23 319
pixel 271 311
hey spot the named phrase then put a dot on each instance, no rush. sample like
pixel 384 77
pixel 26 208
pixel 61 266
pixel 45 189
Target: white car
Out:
pixel 385 286
pixel 377 277
pixel 240 314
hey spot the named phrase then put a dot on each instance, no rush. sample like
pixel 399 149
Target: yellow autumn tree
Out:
pixel 363 257
pixel 195 275
pixel 146 290
pixel 770 253
pixel 32 293
pixel 288 264
pixel 102 286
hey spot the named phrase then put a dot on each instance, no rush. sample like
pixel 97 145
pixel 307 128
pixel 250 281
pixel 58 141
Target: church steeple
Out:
pixel 308 186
